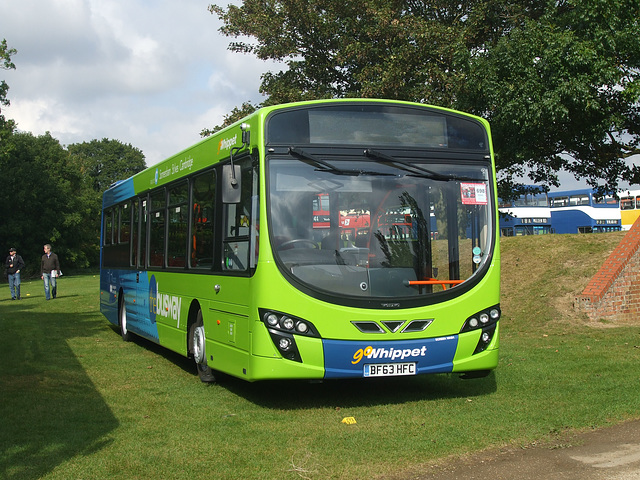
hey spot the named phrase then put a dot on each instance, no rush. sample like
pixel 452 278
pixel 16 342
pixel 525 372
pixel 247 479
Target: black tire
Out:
pixel 197 348
pixel 122 320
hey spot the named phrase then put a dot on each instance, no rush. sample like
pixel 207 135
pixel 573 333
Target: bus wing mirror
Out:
pixel 231 184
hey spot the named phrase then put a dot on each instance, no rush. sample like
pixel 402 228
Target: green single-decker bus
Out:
pixel 316 240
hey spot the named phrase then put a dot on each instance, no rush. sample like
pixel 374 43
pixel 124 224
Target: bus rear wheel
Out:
pixel 197 348
pixel 122 321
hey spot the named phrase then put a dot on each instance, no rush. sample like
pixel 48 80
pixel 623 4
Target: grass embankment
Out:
pixel 77 402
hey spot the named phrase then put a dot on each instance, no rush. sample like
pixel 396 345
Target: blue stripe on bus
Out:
pixel 122 191
pixel 141 319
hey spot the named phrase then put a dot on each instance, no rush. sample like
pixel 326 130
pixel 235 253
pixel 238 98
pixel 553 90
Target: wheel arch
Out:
pixel 191 320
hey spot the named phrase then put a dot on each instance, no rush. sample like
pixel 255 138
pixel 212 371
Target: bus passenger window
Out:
pixel 108 227
pixel 177 215
pixel 156 242
pixel 627 203
pixel 125 222
pixel 134 232
pixel 144 233
pixel 202 208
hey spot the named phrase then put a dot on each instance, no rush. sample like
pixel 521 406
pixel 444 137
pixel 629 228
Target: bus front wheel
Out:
pixel 197 338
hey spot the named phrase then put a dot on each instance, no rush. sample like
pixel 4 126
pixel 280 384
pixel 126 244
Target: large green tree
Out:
pixel 563 92
pixel 107 161
pixel 101 163
pixel 43 202
pixel 557 79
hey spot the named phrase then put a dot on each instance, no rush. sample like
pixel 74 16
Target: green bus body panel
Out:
pixel 237 341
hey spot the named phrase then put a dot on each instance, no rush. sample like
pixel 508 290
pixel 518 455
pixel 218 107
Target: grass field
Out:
pixel 76 402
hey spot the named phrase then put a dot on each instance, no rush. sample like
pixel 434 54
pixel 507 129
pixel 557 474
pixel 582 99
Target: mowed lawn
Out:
pixel 76 402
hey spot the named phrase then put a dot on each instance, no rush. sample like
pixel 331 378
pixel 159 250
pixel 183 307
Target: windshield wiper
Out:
pixel 324 166
pixel 416 170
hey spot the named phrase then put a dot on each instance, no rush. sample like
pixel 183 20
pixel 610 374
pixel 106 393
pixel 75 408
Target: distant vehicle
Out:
pixel 629 207
pixel 571 211
pixel 526 215
pixel 581 211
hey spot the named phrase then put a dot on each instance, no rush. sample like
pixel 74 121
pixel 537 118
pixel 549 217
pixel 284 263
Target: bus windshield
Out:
pixel 364 229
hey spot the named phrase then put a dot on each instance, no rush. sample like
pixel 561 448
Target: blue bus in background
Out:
pixel 580 211
pixel 529 214
pixel 571 211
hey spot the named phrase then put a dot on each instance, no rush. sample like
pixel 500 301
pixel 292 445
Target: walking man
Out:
pixel 14 264
pixel 50 270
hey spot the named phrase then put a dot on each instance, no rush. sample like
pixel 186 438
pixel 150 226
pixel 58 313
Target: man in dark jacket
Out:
pixel 50 270
pixel 14 264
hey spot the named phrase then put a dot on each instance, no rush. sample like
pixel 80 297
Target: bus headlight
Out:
pixel 485 338
pixel 482 319
pixel 283 328
pixel 287 323
pixel 271 319
pixel 286 345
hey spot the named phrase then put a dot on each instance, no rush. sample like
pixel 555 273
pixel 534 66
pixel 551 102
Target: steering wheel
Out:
pixel 298 241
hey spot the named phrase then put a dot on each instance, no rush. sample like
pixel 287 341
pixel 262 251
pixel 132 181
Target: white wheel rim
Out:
pixel 198 345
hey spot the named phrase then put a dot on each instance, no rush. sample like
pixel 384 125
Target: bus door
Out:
pixel 143 308
pixel 228 316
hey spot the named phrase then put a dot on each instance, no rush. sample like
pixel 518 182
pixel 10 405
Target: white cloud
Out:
pixel 152 74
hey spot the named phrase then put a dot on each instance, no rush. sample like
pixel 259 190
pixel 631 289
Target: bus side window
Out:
pixel 239 224
pixel 144 232
pixel 177 218
pixel 157 231
pixel 202 220
pixel 134 232
pixel 125 223
pixel 108 227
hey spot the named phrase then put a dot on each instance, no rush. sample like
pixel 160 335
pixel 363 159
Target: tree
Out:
pixel 101 163
pixel 6 126
pixel 6 64
pixel 235 115
pixel 563 93
pixel 44 202
pixel 106 161
pixel 558 79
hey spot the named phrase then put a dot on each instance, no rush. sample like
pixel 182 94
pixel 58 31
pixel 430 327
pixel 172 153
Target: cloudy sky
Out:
pixel 152 73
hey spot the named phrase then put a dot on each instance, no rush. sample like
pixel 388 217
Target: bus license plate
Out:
pixel 389 369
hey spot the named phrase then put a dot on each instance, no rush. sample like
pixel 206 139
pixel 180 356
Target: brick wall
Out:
pixel 614 292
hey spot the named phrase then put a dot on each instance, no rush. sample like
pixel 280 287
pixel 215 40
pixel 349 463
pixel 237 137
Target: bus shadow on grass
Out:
pixel 359 392
pixel 50 411
pixel 328 393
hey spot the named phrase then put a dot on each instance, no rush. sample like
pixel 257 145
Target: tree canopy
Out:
pixel 6 126
pixel 557 79
pixel 107 161
pixel 43 202
pixel 55 194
